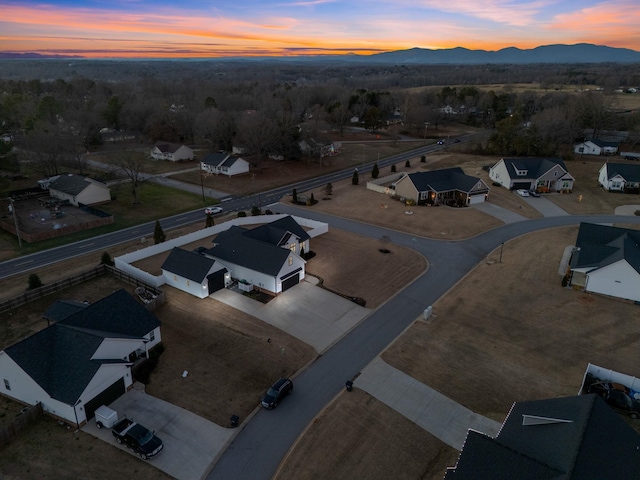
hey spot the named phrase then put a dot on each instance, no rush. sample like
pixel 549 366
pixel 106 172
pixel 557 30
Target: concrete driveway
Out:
pixel 191 443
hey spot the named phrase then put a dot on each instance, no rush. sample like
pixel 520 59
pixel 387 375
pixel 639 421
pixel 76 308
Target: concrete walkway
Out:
pixel 191 443
pixel 440 416
pixel 309 313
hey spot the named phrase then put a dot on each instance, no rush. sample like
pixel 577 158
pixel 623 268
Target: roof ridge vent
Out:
pixel 536 420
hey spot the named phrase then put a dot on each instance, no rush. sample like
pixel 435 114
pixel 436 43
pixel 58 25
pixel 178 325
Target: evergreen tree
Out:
pixel 210 222
pixel 393 169
pixel 329 188
pixel 374 171
pixel 34 281
pixel 158 234
pixel 407 164
pixel 106 259
pixel 294 196
pixel 423 159
pixel 355 179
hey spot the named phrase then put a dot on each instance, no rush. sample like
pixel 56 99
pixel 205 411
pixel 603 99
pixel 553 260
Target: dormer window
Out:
pixel 521 173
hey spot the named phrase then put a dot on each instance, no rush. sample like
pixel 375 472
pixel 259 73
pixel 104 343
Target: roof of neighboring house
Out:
pixel 536 167
pixel 62 309
pixel 602 143
pixel 73 184
pixel 119 314
pixel 443 180
pixel 190 265
pixel 631 173
pixel 278 232
pixel 167 147
pixel 220 160
pixel 578 437
pixel 235 247
pixel 58 359
pixel 599 245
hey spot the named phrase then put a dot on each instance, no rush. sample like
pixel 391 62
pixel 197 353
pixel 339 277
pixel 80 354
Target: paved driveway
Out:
pixel 191 443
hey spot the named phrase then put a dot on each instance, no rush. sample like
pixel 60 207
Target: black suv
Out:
pixel 277 392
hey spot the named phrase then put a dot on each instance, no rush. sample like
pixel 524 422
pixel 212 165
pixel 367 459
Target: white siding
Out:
pixel 617 280
pixel 498 173
pixel 117 348
pixel 106 376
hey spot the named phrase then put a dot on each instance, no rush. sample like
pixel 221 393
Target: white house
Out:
pixel 596 147
pixel 620 177
pixel 83 360
pixel 224 164
pixel 542 174
pixel 606 260
pixel 194 273
pixel 173 152
pixel 78 190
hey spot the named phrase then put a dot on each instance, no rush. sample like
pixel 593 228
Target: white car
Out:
pixel 212 210
pixel 523 193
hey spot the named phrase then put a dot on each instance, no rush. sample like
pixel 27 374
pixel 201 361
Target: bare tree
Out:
pixel 131 163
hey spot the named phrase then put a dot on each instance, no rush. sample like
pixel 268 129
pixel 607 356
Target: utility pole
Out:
pixel 12 207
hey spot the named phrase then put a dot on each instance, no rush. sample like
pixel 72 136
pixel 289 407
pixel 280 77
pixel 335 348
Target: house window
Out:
pixel 290 260
pixel 152 335
pixel 555 174
pixel 7 385
pixel 292 247
pixel 615 185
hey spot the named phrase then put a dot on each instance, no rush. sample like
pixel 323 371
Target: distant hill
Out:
pixel 579 53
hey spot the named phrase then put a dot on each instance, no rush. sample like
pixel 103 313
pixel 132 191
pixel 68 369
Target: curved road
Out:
pixel 259 448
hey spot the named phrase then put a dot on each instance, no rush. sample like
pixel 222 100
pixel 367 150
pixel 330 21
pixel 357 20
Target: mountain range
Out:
pixel 578 53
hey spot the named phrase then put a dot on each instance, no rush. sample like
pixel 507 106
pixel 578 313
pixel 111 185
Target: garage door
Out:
pixel 109 395
pixel 290 282
pixel 215 280
pixel 521 186
pixel 473 199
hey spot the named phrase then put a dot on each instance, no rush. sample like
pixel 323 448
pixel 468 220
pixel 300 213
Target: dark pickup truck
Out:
pixel 138 438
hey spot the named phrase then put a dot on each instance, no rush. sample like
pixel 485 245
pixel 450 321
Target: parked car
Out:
pixel 523 193
pixel 534 193
pixel 212 210
pixel 137 438
pixel 277 392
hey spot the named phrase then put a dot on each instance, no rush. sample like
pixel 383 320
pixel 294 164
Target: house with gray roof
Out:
pixel 448 185
pixel 194 273
pixel 78 190
pixel 578 437
pixel 606 260
pixel 620 177
pixel 596 147
pixel 81 361
pixel 174 152
pixel 532 173
pixel 223 164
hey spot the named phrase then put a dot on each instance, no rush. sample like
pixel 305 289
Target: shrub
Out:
pixel 209 221
pixel 242 213
pixel 328 189
pixel 142 371
pixel 268 212
pixel 407 164
pixel 294 196
pixel 423 159
pixel 34 281
pixel 255 211
pixel 393 169
pixel 106 259
pixel 355 179
pixel 375 171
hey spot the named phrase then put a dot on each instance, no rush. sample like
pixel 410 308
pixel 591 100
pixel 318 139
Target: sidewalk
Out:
pixel 440 416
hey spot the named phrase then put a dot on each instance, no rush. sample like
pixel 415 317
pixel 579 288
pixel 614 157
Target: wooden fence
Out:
pixel 37 293
pixel 26 418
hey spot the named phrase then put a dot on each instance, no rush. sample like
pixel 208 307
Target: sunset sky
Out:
pixel 213 28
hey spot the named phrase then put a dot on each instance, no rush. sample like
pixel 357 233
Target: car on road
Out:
pixel 523 193
pixel 440 142
pixel 276 393
pixel 212 210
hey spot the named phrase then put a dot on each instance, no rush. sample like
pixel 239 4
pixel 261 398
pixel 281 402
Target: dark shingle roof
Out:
pixel 219 159
pixel 601 245
pixel 58 359
pixel 277 232
pixel 167 147
pixel 631 173
pixel 190 265
pixel 119 313
pixel 603 143
pixel 443 180
pixel 536 167
pixel 62 309
pixel 590 442
pixel 235 247
pixel 70 184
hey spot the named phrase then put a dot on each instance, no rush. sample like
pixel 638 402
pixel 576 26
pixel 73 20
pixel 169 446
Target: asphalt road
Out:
pixel 259 448
pixel 230 203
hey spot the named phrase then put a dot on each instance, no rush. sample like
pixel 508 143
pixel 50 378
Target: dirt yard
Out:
pixel 359 437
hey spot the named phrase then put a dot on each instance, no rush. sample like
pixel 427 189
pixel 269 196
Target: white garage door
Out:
pixel 473 199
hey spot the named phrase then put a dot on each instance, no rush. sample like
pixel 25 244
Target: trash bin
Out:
pixel 234 420
pixel 349 385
